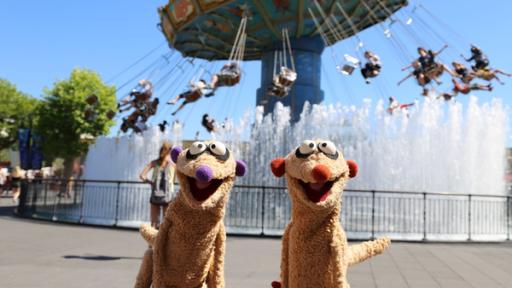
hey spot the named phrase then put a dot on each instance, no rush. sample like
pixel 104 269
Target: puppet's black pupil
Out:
pixel 311 145
pixel 324 144
pixel 213 146
pixel 200 146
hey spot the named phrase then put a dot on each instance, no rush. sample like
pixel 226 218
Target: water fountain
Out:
pixel 448 148
pixel 433 147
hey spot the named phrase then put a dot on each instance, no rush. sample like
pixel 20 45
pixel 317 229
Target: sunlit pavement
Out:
pixel 44 254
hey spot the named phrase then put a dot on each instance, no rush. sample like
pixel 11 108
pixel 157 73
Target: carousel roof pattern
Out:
pixel 207 28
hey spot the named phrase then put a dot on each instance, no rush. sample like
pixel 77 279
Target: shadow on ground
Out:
pixel 99 257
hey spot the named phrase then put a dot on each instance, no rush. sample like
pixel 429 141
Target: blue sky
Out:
pixel 44 40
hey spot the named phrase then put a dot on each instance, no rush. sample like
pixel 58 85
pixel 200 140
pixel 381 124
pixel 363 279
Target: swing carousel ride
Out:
pixel 401 146
pixel 213 38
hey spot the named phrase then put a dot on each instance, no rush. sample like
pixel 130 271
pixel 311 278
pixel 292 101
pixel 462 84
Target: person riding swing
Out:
pixel 431 68
pixel 282 83
pixel 229 75
pixel 372 68
pixel 137 97
pixel 208 123
pixel 419 75
pixel 477 55
pixel 196 91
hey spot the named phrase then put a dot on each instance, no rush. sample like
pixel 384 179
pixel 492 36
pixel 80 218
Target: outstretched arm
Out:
pixel 402 81
pixel 360 252
pixel 148 233
pixel 407 67
pixel 216 275
pixel 452 73
pixel 441 50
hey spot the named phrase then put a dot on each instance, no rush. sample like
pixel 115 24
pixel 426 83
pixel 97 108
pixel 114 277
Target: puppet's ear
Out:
pixel 352 167
pixel 277 166
pixel 241 168
pixel 175 152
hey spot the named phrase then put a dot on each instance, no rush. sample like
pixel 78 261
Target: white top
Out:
pixel 374 59
pixel 3 175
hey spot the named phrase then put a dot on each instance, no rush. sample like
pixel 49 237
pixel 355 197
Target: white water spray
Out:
pixel 434 147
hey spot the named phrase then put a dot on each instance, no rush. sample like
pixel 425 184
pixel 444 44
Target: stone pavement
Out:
pixel 43 254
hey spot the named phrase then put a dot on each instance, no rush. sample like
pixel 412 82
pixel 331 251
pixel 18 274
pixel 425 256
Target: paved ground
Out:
pixel 42 254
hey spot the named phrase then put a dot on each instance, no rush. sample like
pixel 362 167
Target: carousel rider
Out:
pixel 229 75
pixel 419 75
pixel 196 91
pixel 477 55
pixel 208 123
pixel 372 68
pixel 137 97
pixel 282 83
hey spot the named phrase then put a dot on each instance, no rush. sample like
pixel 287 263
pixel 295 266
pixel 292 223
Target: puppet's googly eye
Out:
pixel 305 149
pixel 218 148
pixel 329 149
pixel 197 148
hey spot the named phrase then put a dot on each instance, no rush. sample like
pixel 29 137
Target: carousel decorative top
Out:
pixel 207 28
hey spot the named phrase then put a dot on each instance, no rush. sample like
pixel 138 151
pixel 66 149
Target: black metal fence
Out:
pixel 259 210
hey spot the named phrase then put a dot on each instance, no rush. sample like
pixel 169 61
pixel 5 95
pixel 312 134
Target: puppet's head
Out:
pixel 206 172
pixel 316 173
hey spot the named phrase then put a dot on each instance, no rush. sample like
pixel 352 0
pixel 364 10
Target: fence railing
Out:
pixel 259 210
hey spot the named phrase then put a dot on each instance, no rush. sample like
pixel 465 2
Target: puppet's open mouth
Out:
pixel 317 192
pixel 203 190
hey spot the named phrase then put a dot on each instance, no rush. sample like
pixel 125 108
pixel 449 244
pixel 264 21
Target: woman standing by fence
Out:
pixel 162 182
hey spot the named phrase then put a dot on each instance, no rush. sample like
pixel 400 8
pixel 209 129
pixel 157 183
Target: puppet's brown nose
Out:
pixel 321 173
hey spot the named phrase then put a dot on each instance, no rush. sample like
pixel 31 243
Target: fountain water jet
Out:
pixel 434 147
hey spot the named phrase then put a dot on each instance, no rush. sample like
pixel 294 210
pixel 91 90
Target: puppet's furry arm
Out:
pixel 148 233
pixel 360 252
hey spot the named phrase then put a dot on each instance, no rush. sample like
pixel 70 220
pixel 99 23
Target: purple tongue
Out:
pixel 202 185
pixel 316 186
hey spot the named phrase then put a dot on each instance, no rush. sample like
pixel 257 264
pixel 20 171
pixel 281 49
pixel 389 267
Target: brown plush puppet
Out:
pixel 315 252
pixel 188 249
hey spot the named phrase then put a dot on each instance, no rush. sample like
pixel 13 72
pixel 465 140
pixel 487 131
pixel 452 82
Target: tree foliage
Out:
pixel 62 119
pixel 16 108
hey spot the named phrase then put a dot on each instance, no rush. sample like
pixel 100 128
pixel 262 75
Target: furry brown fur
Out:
pixel 315 252
pixel 188 249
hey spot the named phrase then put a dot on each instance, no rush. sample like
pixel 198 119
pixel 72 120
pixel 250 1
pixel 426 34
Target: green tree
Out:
pixel 16 108
pixel 62 121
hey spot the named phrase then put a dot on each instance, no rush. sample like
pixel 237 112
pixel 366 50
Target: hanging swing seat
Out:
pixel 278 90
pixel 346 69
pixel 287 77
pixel 229 75
pixel 352 64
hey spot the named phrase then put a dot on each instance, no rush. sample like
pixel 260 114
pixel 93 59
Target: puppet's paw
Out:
pixel 276 284
pixel 383 243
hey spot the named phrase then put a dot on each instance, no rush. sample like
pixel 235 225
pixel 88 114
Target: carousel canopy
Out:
pixel 207 28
